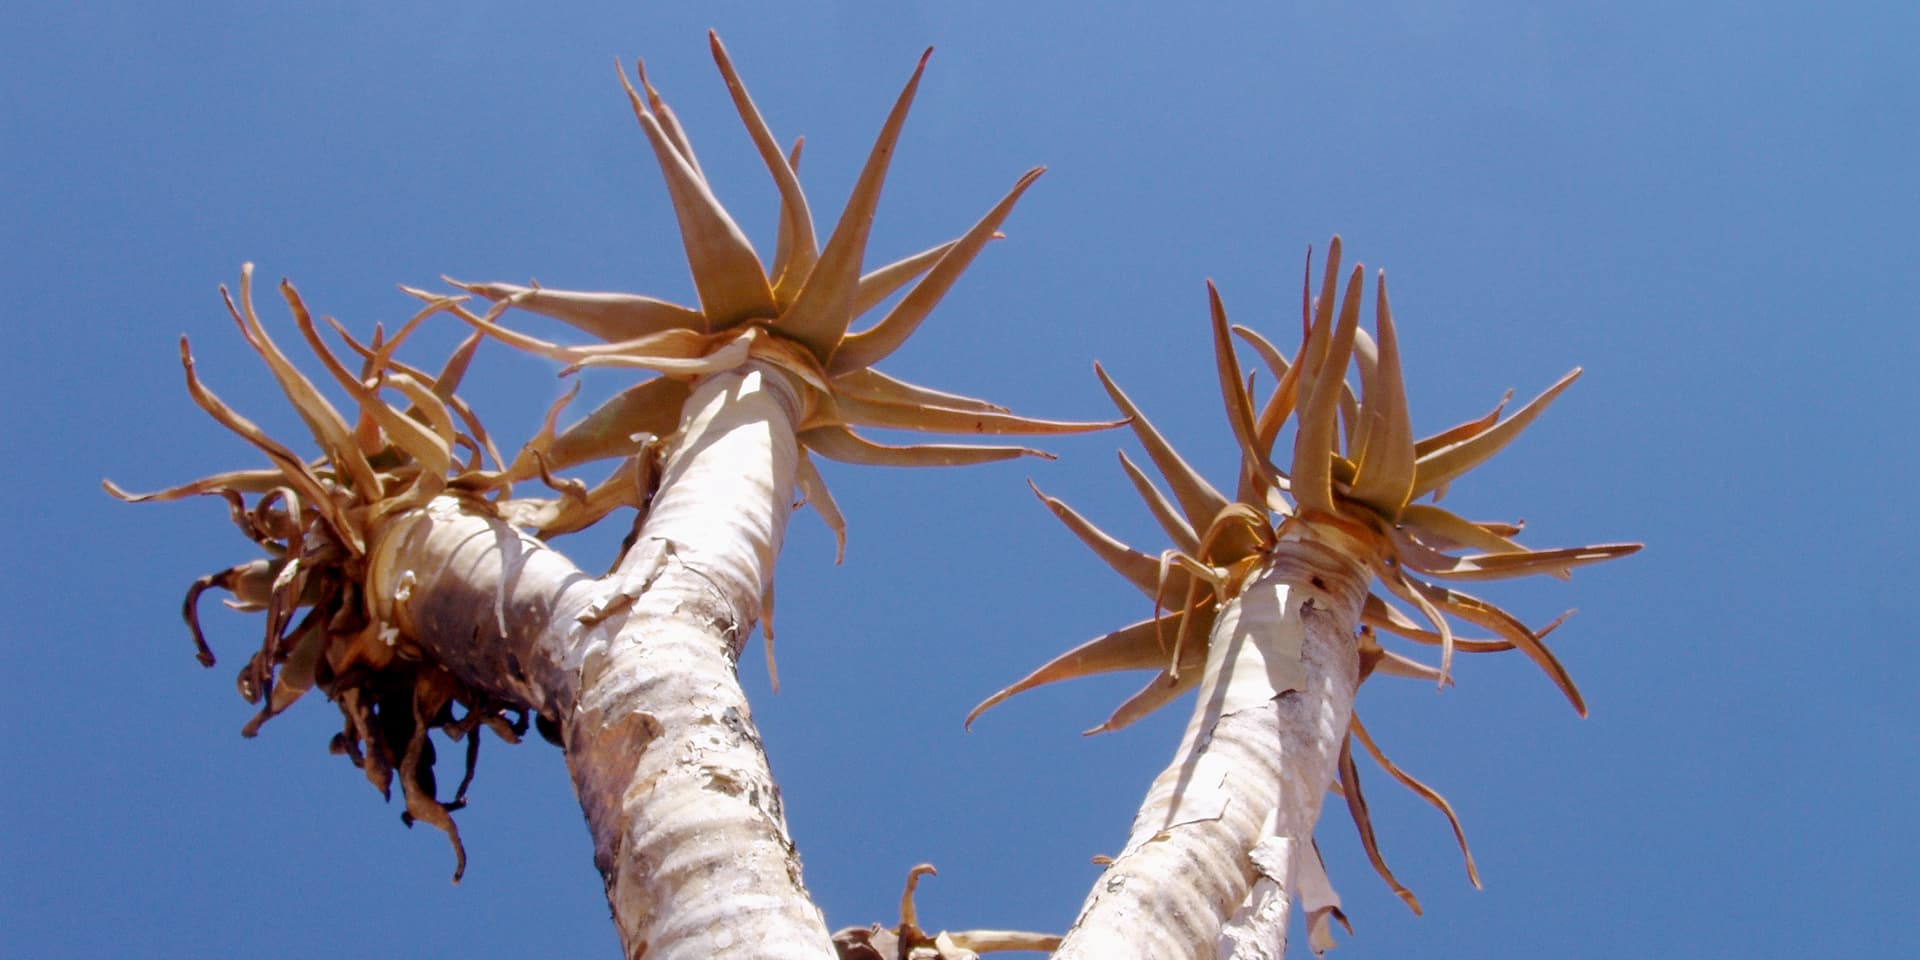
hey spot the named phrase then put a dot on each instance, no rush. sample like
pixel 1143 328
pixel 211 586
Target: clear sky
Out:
pixel 1711 207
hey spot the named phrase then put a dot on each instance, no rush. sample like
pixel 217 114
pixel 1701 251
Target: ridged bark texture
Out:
pixel 640 667
pixel 1257 757
pixel 492 604
pixel 686 818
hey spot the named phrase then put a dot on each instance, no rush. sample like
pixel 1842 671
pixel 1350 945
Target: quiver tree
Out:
pixel 405 579
pixel 1264 603
pixel 428 585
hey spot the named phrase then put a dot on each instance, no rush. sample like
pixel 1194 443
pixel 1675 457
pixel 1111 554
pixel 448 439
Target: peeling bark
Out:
pixel 1258 755
pixel 639 670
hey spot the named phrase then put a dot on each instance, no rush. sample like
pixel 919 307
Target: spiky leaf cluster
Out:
pixel 319 522
pixel 1352 477
pixel 794 315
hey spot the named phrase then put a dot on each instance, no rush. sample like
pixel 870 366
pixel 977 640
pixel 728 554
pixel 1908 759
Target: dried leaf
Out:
pixel 291 467
pixel 1357 806
pixel 814 488
pixel 1425 792
pixel 237 481
pixel 322 420
pixel 1481 613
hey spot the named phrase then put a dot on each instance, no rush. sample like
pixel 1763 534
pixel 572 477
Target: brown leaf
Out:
pixel 868 347
pixel 1132 647
pixel 726 272
pixel 1425 792
pixel 821 312
pixel 1357 806
pixel 839 443
pixel 1385 464
pixel 612 317
pixel 1315 444
pixel 1183 536
pixel 1150 575
pixel 798 250
pixel 1198 499
pixel 1439 467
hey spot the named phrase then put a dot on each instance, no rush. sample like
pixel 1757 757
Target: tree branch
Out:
pixel 1257 757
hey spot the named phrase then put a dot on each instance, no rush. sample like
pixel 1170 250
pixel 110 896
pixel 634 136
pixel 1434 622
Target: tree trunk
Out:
pixel 1239 801
pixel 639 668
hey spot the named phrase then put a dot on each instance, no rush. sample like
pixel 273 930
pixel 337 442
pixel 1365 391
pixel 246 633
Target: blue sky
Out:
pixel 1710 208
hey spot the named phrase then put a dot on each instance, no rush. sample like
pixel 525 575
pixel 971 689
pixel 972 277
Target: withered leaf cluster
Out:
pixel 411 438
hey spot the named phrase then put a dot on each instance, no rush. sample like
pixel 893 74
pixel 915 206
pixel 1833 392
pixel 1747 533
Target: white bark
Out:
pixel 1258 930
pixel 640 668
pixel 1258 755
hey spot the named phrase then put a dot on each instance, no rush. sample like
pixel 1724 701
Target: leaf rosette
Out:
pixel 1352 477
pixel 794 315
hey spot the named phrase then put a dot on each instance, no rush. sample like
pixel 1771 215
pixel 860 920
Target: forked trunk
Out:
pixel 639 668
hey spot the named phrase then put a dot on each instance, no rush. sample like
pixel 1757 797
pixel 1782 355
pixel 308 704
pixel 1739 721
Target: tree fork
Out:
pixel 640 669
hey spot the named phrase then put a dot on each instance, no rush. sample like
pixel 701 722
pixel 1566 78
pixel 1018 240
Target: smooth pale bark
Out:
pixel 1240 799
pixel 639 668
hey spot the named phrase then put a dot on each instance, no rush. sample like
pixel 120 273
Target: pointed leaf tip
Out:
pixel 1197 498
pixel 823 309
pixel 1434 470
pixel 870 346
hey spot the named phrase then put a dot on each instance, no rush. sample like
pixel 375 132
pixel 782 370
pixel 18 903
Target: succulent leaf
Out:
pixel 1347 490
pixel 868 347
pixel 1148 575
pixel 1440 466
pixel 1384 473
pixel 842 444
pixel 799 249
pixel 1198 499
pixel 612 317
pixel 1178 530
pixel 726 272
pixel 813 488
pixel 821 312
pixel 795 319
